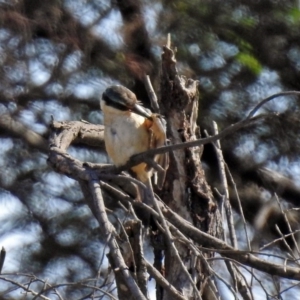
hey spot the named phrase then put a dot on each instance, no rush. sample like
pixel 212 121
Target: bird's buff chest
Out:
pixel 125 135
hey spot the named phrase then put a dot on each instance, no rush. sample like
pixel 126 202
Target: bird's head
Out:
pixel 119 98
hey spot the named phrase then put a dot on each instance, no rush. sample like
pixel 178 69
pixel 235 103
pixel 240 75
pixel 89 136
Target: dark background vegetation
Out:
pixel 57 57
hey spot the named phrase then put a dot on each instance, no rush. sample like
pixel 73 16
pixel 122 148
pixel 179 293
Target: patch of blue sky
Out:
pixel 206 83
pixel 294 171
pixel 267 84
pixel 246 146
pixel 6 144
pixel 46 109
pixel 72 62
pixel 211 61
pixel 88 85
pixel 84 154
pixel 16 73
pixel 55 89
pixel 84 91
pixel 227 50
pixel 55 206
pixel 224 80
pixel 151 12
pixel 286 167
pixel 250 144
pixel 87 13
pixel 42 46
pixel 57 110
pixel 109 29
pixel 38 73
pixel 28 118
pixel 4 35
pixel 3 55
pixel 59 269
pixel 16 240
pixel 36 162
pixel 10 206
pixel 56 183
pixel 263 153
pixel 294 56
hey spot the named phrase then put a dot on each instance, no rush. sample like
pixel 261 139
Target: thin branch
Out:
pixel 225 198
pixel 108 233
pixel 138 158
pixel 240 206
pixel 171 244
pixel 243 257
pixel 228 130
pixel 24 287
pixel 288 224
pixel 164 283
pixel 278 240
pixel 151 94
pixel 76 284
pixel 242 266
pixel 265 100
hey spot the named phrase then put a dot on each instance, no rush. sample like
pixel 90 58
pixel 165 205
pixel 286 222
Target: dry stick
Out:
pixel 240 209
pixel 233 271
pixel 155 107
pixel 242 266
pixel 128 178
pixel 170 242
pixel 190 244
pixel 288 224
pixel 289 288
pixel 221 163
pixel 275 285
pixel 228 130
pixel 278 240
pixel 108 232
pixel 240 206
pixel 100 266
pixel 285 242
pixel 136 159
pixel 168 44
pixel 76 284
pixel 24 288
pixel 243 257
pixel 151 94
pixel 58 155
pixel 262 102
pixel 129 244
pixel 164 283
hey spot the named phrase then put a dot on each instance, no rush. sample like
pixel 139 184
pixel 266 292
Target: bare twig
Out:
pixel 164 283
pixel 244 257
pixel 265 100
pixel 108 233
pixel 288 224
pixel 171 244
pixel 228 209
pixel 278 240
pixel 24 287
pixel 151 94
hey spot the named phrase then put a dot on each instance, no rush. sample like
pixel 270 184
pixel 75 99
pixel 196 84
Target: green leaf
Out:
pixel 250 62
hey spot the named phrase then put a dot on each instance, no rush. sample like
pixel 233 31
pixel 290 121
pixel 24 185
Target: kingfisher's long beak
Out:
pixel 138 109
